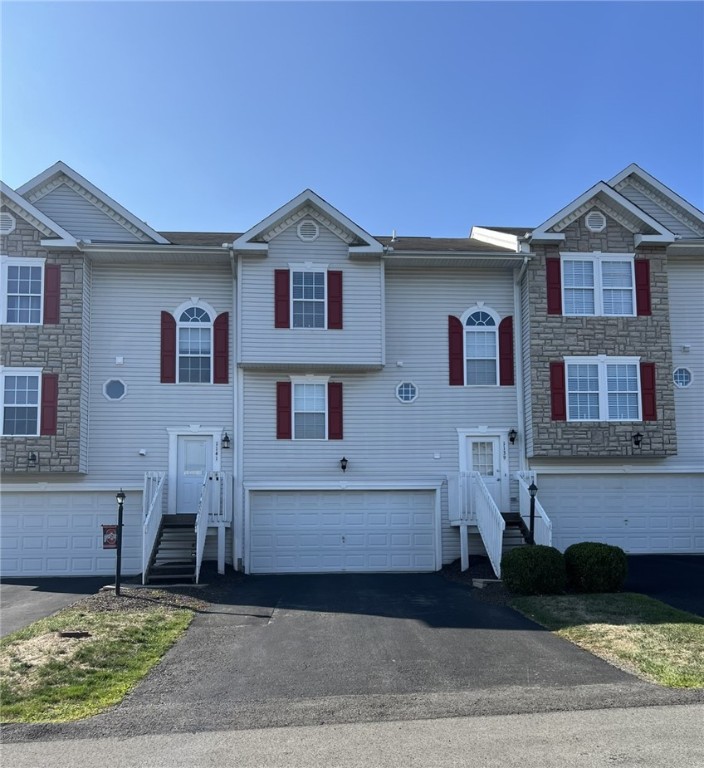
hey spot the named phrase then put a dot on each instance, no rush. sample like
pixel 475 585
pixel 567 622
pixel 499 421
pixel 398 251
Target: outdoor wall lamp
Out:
pixel 512 435
pixel 343 464
pixel 32 459
pixel 637 439
pixel 225 441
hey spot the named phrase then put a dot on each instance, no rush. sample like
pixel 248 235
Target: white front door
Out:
pixel 194 459
pixel 484 456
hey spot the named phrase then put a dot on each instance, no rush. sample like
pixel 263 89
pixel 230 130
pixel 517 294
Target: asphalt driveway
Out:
pixel 304 650
pixel 23 601
pixel 675 579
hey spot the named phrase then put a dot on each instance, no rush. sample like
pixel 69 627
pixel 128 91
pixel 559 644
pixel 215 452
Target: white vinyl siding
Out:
pixel 384 438
pixel 120 429
pixel 358 343
pixel 667 219
pixel 81 218
pixel 686 288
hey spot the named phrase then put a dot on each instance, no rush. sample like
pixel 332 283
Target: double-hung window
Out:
pixel 603 388
pixel 308 298
pixel 21 398
pixel 22 290
pixel 598 284
pixel 309 411
pixel 481 349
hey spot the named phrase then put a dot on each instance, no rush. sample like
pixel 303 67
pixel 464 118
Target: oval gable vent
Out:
pixel 596 221
pixel 308 230
pixel 7 223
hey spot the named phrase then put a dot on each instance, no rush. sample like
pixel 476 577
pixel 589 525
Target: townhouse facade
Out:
pixel 325 400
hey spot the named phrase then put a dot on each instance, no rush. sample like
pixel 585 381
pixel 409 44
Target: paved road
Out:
pixel 23 601
pixel 305 650
pixel 652 737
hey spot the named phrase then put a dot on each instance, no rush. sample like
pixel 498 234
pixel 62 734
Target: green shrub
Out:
pixel 534 570
pixel 595 567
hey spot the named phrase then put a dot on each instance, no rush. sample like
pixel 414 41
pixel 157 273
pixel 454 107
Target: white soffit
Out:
pixel 308 203
pixel 33 215
pixel 603 190
pixel 80 184
pixel 494 237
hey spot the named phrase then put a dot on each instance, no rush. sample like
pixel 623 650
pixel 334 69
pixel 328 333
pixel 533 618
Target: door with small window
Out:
pixel 484 456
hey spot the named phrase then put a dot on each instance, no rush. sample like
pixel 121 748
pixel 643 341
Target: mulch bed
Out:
pixel 479 568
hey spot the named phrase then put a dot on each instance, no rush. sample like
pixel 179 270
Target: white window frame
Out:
pixel 406 383
pixel 16 261
pixel 297 381
pixel 479 307
pixel 597 258
pixel 309 267
pixel 602 362
pixel 674 377
pixel 20 372
pixel 196 303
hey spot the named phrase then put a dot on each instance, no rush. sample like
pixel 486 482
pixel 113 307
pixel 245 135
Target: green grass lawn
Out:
pixel 48 678
pixel 634 632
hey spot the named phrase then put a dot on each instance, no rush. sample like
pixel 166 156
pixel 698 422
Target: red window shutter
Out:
pixel 335 300
pixel 455 336
pixel 642 274
pixel 52 294
pixel 647 391
pixel 334 410
pixel 283 410
pixel 558 393
pixel 506 352
pixel 50 403
pixel 221 348
pixel 168 348
pixel 554 285
pixel 282 302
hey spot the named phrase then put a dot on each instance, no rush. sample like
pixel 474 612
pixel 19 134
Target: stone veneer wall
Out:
pixel 54 348
pixel 554 336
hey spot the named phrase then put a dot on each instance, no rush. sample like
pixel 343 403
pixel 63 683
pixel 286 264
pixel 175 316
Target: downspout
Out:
pixel 518 341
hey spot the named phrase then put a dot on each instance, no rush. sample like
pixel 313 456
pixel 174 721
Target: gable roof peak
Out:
pixel 33 188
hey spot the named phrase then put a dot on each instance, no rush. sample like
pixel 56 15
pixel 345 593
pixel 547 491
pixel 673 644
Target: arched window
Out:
pixel 481 348
pixel 195 345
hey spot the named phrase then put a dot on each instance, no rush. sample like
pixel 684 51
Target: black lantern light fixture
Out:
pixel 225 441
pixel 533 491
pixel 637 439
pixel 120 498
pixel 512 435
pixel 343 464
pixel 32 459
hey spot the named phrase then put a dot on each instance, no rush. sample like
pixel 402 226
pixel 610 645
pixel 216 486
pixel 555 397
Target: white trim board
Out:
pixel 31 213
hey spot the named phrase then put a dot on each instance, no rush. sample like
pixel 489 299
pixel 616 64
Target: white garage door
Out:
pixel 336 531
pixel 59 533
pixel 639 513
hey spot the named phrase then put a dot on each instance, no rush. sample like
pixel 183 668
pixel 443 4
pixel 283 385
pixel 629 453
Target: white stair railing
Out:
pixel 542 532
pixel 220 510
pixel 489 521
pixel 202 517
pixel 152 507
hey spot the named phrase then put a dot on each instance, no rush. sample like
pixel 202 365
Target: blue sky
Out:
pixel 420 117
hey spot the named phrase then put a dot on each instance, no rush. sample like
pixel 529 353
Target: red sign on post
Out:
pixel 109 537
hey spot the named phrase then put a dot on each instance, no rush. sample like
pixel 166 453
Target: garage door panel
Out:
pixel 640 513
pixel 347 531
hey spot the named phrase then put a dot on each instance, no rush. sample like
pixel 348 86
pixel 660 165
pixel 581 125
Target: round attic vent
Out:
pixel 308 230
pixel 596 221
pixel 7 223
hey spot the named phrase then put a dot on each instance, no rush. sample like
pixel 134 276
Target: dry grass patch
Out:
pixel 47 677
pixel 643 636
